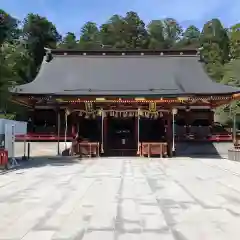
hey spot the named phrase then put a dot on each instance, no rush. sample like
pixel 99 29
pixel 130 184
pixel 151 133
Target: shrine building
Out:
pixel 123 102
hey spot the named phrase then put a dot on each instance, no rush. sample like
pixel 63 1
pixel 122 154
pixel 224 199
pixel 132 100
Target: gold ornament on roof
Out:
pixel 152 107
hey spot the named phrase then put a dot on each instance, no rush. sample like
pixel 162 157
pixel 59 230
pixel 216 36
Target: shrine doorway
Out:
pixel 121 139
pixel 152 130
pixel 89 129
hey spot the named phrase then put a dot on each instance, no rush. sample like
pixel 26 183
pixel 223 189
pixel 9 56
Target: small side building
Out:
pixel 126 102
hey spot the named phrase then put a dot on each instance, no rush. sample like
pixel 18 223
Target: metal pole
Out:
pixel 28 153
pixel 24 149
pixel 58 132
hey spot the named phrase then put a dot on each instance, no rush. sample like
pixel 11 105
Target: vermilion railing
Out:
pixel 42 137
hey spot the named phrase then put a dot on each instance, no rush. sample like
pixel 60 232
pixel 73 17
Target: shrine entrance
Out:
pixel 121 139
pixel 123 133
pixel 152 130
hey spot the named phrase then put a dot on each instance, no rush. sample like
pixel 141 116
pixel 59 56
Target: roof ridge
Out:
pixel 117 52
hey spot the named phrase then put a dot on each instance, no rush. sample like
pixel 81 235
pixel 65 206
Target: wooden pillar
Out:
pixel 66 116
pixel 34 120
pixel 79 124
pixel 234 130
pixel 31 120
pixel 137 131
pixel 169 133
pixel 73 123
pixel 188 120
pixel 211 117
pixel 105 131
pixel 58 130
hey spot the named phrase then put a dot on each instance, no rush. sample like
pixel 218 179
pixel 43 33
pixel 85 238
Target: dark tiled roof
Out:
pixel 123 75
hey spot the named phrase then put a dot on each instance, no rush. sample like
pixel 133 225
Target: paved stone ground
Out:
pixel 122 198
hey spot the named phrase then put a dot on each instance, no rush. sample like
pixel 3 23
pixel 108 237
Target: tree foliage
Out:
pixel 156 35
pixel 69 41
pixel 22 45
pixel 89 39
pixel 234 35
pixel 8 27
pixel 38 33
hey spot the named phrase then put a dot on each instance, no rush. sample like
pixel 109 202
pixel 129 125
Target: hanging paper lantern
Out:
pixel 67 112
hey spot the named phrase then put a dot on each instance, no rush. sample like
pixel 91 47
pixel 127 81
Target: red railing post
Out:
pixel 3 157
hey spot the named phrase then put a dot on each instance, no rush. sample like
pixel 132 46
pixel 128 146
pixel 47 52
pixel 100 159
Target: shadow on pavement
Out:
pixel 41 161
pixel 218 150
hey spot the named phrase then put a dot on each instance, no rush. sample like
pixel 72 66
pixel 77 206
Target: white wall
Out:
pixel 20 127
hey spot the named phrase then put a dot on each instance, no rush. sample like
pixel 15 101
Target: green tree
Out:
pixel 215 48
pixel 13 68
pixel 234 35
pixel 190 39
pixel 39 33
pixel 90 38
pixel 69 41
pixel 172 32
pixel 112 33
pixel 8 27
pixel 135 33
pixel 232 73
pixel 9 34
pixel 156 35
pixel 192 33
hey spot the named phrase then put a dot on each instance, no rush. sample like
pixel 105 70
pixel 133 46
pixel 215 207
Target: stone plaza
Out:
pixel 121 199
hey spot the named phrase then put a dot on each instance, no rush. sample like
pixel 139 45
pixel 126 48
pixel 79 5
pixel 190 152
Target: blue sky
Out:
pixel 70 15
